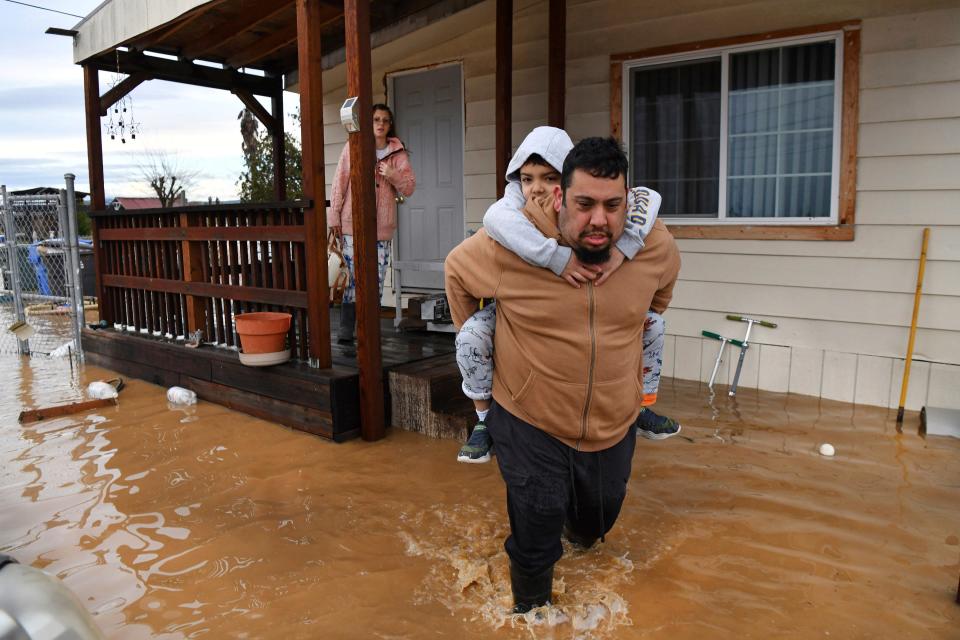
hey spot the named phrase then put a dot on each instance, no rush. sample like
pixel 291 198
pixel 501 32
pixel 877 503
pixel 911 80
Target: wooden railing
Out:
pixel 173 271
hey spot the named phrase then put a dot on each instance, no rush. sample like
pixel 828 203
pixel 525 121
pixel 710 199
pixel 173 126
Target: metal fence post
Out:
pixel 73 240
pixel 62 232
pixel 10 229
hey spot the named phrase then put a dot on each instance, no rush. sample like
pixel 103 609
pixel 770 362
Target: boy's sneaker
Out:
pixel 654 427
pixel 477 448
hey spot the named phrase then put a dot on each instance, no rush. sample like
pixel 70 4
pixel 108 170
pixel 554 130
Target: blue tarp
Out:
pixel 43 284
pixel 34 257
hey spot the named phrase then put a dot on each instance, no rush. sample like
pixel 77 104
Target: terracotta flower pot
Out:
pixel 263 332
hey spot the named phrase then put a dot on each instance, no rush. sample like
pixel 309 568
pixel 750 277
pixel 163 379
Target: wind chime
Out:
pixel 120 120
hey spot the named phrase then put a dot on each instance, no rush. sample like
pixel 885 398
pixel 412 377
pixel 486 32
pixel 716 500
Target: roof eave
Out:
pixel 115 22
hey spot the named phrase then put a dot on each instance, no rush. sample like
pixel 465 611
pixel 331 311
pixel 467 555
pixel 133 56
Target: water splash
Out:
pixel 470 576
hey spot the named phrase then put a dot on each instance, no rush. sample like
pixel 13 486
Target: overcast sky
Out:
pixel 42 133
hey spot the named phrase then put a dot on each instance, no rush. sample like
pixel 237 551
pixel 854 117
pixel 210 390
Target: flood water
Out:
pixel 52 324
pixel 182 523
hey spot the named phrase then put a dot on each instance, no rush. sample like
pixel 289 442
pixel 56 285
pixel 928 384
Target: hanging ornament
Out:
pixel 121 125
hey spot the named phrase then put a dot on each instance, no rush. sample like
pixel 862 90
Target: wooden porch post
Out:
pixel 557 65
pixel 314 183
pixel 192 256
pixel 279 148
pixel 356 16
pixel 504 91
pixel 91 100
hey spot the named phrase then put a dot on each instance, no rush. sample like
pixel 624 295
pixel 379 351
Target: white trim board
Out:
pixel 832 375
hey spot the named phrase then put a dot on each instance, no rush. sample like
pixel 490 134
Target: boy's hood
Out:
pixel 550 143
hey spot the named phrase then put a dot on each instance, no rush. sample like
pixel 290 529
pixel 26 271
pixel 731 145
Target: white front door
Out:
pixel 428 107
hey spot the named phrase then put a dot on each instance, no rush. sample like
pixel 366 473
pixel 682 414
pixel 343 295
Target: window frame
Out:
pixel 840 224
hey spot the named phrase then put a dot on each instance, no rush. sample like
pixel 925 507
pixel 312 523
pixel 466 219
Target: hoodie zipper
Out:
pixel 593 360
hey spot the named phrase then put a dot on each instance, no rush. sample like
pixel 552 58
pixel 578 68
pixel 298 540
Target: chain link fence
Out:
pixel 42 279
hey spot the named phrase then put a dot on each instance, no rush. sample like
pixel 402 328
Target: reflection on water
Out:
pixel 180 522
pixel 52 324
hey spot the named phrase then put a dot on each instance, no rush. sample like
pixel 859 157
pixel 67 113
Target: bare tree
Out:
pixel 166 178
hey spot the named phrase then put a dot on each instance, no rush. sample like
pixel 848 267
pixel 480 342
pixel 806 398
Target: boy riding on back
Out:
pixel 534 171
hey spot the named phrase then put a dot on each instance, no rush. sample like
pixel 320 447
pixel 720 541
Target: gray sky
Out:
pixel 42 133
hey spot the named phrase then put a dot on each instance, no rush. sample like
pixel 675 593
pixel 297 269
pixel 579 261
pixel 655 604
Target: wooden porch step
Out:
pixel 426 398
pixel 324 402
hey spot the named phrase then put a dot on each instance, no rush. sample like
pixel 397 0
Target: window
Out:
pixel 745 133
pixel 675 133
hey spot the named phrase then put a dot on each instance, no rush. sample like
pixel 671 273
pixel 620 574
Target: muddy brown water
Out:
pixel 183 523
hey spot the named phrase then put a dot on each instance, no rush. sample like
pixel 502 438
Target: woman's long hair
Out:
pixel 391 132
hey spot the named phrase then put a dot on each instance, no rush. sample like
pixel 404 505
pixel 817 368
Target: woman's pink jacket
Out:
pixel 404 182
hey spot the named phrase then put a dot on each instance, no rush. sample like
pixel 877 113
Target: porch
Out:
pixel 168 274
pixel 175 272
pixel 323 402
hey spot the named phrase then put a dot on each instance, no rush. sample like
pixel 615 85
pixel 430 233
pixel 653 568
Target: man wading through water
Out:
pixel 567 384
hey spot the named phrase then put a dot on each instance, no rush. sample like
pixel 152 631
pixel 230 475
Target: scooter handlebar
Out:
pixel 717 336
pixel 762 323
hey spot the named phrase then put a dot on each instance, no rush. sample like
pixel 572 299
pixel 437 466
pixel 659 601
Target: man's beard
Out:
pixel 592 256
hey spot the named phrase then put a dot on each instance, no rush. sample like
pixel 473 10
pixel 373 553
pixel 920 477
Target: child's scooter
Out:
pixel 743 344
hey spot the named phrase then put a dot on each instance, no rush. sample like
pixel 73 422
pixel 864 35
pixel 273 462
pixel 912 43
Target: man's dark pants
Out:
pixel 550 484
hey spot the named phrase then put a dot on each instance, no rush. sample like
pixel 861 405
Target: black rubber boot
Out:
pixel 577 539
pixel 348 320
pixel 530 591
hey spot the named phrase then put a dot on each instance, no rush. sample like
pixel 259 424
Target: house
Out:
pixel 124 203
pixel 813 222
pixel 800 146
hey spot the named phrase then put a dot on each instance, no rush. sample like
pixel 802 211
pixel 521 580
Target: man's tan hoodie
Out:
pixel 567 360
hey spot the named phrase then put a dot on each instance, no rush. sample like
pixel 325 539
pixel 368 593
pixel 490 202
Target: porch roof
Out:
pixel 237 34
pixel 114 22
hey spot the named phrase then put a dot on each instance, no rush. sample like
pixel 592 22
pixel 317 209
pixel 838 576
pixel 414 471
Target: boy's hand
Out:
pixel 576 272
pixel 611 265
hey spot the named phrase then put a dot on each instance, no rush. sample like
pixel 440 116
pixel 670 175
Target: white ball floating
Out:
pixel 826 449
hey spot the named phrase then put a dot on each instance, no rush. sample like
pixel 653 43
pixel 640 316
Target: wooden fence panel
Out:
pixel 170 271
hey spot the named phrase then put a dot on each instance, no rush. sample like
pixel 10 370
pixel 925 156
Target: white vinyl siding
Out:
pixel 843 308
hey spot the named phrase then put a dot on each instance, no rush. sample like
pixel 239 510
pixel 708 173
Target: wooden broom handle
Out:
pixel 913 324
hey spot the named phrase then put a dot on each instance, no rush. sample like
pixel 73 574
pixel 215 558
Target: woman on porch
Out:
pixel 394 181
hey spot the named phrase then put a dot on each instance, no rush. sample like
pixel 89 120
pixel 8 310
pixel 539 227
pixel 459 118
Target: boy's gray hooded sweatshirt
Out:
pixel 506 224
